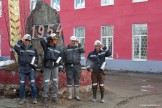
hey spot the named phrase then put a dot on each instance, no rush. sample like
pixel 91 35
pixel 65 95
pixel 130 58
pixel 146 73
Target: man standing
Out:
pixel 72 57
pixel 95 64
pixel 52 56
pixel 26 55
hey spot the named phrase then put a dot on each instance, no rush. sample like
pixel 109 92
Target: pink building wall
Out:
pixel 5 49
pixel 122 15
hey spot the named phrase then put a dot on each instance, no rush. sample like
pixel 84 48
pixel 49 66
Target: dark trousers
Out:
pixel 31 75
pixel 73 73
pixel 97 79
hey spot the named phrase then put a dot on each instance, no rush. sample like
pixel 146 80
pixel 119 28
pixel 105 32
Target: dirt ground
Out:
pixel 126 90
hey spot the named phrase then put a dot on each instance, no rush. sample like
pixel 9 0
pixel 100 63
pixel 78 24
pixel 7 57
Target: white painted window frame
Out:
pixel 133 58
pixel 79 7
pixel 54 6
pixel 79 38
pixel 107 37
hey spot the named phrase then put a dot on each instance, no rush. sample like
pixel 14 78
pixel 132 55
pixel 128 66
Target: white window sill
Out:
pixel 79 7
pixel 107 4
pixel 139 1
pixel 139 60
pixel 56 9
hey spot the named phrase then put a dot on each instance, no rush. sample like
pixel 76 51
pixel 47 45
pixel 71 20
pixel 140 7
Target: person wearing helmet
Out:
pixel 72 57
pixel 95 64
pixel 26 52
pixel 52 54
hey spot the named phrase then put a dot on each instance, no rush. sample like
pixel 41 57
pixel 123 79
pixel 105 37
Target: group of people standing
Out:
pixel 56 60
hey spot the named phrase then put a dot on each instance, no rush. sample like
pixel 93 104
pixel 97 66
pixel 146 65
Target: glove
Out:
pixel 104 48
pixel 79 45
pixel 39 70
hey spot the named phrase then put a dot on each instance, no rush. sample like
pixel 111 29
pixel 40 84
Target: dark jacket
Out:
pixel 72 54
pixel 51 53
pixel 25 56
pixel 95 59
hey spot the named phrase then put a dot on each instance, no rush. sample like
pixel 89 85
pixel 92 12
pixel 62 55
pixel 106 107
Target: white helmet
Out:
pixel 27 36
pixel 73 38
pixel 53 35
pixel 97 42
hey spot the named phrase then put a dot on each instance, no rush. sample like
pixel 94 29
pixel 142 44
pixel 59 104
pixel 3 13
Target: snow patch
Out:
pixel 7 62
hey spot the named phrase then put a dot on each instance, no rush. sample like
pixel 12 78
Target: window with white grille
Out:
pixel 78 4
pixel 134 1
pixel 55 4
pixel 79 32
pixel 33 4
pixel 139 32
pixel 0 8
pixel 107 2
pixel 107 33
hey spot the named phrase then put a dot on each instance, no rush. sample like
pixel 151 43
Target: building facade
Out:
pixel 130 29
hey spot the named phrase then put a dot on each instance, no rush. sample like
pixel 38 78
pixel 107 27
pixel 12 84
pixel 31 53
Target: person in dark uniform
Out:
pixel 26 54
pixel 52 60
pixel 72 57
pixel 96 64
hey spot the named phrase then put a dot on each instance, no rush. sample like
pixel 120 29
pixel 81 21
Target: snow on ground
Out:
pixel 7 62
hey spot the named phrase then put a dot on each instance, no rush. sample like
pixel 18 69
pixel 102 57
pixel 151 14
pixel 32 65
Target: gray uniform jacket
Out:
pixel 72 54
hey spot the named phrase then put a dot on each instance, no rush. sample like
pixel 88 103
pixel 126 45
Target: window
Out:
pixel 107 33
pixel 33 4
pixel 138 1
pixel 107 2
pixel 0 8
pixel 79 4
pixel 55 4
pixel 139 32
pixel 79 32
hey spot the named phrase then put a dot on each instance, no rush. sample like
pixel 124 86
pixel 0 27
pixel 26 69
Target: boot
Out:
pixel 21 101
pixel 69 90
pixel 76 93
pixel 102 96
pixel 94 96
pixel 45 100
pixel 54 100
pixel 35 101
